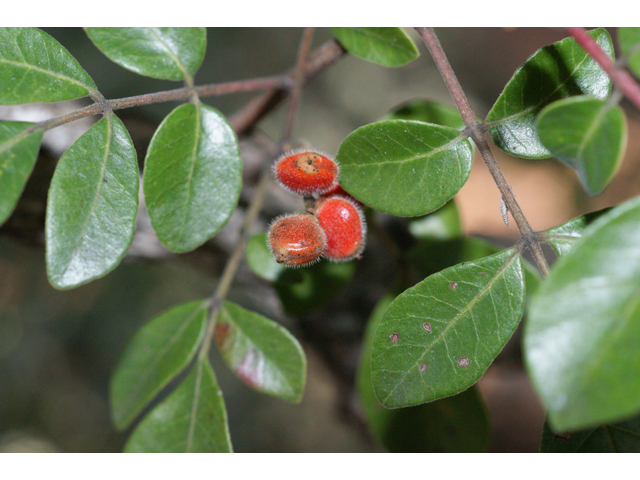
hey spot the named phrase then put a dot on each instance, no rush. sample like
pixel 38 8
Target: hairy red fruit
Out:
pixel 306 172
pixel 296 239
pixel 338 190
pixel 344 226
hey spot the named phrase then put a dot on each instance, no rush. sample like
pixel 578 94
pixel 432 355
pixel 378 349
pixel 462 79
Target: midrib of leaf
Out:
pixel 48 72
pixel 194 155
pixel 194 403
pixel 591 130
pixel 177 61
pixel 144 375
pixel 83 231
pixel 522 113
pixel 425 155
pixel 452 323
pixel 9 144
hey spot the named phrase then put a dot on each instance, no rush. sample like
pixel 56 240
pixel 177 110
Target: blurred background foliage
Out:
pixel 57 349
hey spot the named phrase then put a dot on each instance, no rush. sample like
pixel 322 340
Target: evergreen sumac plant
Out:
pixel 428 342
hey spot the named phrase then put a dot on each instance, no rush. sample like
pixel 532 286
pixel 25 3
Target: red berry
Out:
pixel 296 239
pixel 344 226
pixel 306 172
pixel 338 190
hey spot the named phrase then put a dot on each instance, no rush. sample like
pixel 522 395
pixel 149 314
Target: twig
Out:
pixel 477 131
pixel 621 78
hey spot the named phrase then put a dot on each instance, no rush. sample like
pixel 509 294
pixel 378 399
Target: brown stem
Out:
pixel 477 131
pixel 622 79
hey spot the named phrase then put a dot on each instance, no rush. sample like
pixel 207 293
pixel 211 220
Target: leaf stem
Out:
pixel 477 131
pixel 621 78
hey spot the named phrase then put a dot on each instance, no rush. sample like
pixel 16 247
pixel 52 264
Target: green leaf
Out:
pixel 260 259
pixel 559 70
pixel 583 330
pixel 34 67
pixel 154 356
pixel 453 424
pixel 622 437
pixel 442 224
pixel 167 53
pixel 92 205
pixel 302 290
pixel 387 46
pixel 192 419
pixel 19 145
pixel 438 338
pixel 427 111
pixel 587 134
pixel 404 168
pixel 261 353
pixel 629 41
pixel 192 176
pixel 562 237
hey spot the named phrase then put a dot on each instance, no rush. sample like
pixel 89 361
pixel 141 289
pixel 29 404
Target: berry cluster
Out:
pixel 334 227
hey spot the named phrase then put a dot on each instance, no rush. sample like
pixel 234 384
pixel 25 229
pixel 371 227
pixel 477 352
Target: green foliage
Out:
pixel 556 71
pixel 19 145
pixel 192 176
pixel 36 68
pixel 629 41
pixel 437 338
pixel 390 47
pixel 404 168
pixel 581 337
pixel 427 111
pixel 167 53
pixel 192 418
pixel 588 134
pixel 261 353
pixel 92 205
pixel 562 237
pixel 155 355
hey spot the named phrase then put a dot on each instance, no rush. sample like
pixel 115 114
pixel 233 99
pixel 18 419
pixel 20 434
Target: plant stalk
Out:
pixel 477 131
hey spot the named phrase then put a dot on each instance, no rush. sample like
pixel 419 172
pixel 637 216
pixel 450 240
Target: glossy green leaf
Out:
pixel 453 424
pixel 154 356
pixel 562 237
pixel 192 418
pixel 582 337
pixel 559 70
pixel 192 176
pixel 404 168
pixel 428 111
pixel 302 290
pixel 34 67
pixel 388 46
pixel 622 437
pixel 629 41
pixel 92 205
pixel 439 337
pixel 168 53
pixel 19 145
pixel 588 134
pixel 261 353
pixel 260 259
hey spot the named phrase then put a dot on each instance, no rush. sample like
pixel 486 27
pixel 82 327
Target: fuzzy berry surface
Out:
pixel 306 172
pixel 296 240
pixel 344 226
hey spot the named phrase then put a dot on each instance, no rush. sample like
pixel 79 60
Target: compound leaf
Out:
pixel 404 168
pixel 453 424
pixel 629 41
pixel 192 176
pixel 167 53
pixel 583 330
pixel 261 353
pixel 559 70
pixel 587 134
pixel 19 145
pixel 192 418
pixel 387 46
pixel 154 356
pixel 34 67
pixel 437 338
pixel 92 205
